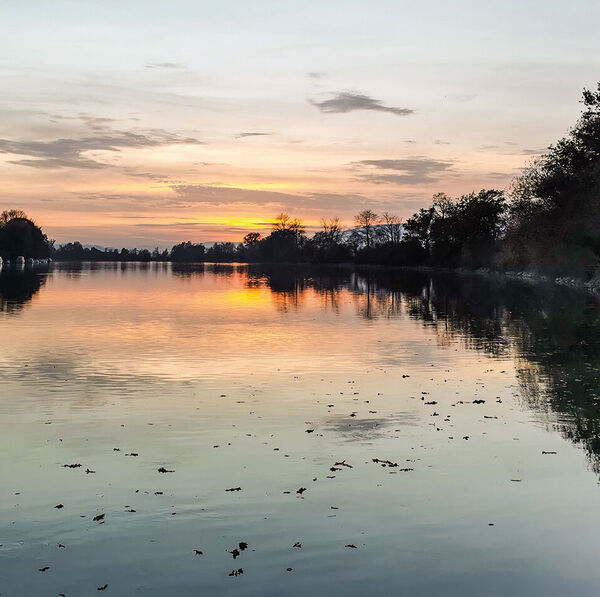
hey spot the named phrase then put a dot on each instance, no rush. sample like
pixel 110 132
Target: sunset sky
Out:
pixel 147 123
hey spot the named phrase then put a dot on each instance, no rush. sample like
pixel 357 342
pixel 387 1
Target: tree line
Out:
pixel 548 220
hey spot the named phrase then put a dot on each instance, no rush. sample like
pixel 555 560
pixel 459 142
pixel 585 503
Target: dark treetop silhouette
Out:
pixel 20 237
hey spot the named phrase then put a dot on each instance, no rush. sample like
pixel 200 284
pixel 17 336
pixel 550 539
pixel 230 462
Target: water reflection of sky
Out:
pixel 265 378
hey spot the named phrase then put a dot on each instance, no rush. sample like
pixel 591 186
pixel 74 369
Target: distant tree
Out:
pixel 365 222
pixel 464 231
pixel 76 252
pixel 331 230
pixel 188 253
pixel 222 252
pixel 249 249
pixel 418 225
pixel 481 222
pixel 251 239
pixel 284 222
pixel 444 242
pixel 286 241
pixel 12 214
pixel 327 245
pixel 391 228
pixel 70 252
pixel 284 226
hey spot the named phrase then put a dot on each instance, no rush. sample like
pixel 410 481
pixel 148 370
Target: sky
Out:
pixel 127 123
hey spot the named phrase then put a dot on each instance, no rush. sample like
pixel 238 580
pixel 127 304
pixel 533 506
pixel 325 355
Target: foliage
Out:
pixel 555 205
pixel 221 252
pixel 19 236
pixel 461 232
pixel 187 252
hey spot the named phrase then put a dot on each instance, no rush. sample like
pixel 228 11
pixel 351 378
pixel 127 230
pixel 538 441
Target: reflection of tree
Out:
pixel 187 271
pixel 561 335
pixel 466 309
pixel 287 284
pixel 554 333
pixel 17 287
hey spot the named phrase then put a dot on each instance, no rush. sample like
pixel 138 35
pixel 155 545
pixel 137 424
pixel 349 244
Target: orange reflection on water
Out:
pixel 154 321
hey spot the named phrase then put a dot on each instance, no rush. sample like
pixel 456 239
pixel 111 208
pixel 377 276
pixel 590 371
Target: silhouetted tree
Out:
pixel 222 252
pixel 327 246
pixel 481 221
pixel 417 227
pixel 365 222
pixel 555 204
pixel 187 252
pixel 251 239
pixel 12 214
pixel 19 236
pixel 390 228
pixel 464 231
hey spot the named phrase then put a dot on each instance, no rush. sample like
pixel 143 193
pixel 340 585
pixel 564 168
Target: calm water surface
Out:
pixel 483 393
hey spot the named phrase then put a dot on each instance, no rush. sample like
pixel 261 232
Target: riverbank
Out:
pixel 592 285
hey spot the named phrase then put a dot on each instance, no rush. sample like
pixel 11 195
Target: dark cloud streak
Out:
pixel 402 171
pixel 174 65
pixel 252 134
pixel 346 101
pixel 69 153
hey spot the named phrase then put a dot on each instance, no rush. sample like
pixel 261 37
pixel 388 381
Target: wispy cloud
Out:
pixel 215 195
pixel 146 175
pixel 251 134
pixel 70 153
pixel 175 65
pixel 96 123
pixel 347 101
pixel 500 175
pixel 534 151
pixel 180 196
pixel 503 150
pixel 402 171
pixel 317 204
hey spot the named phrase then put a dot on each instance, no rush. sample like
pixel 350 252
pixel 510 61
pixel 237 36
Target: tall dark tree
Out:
pixel 480 226
pixel 555 208
pixel 19 236
pixel 417 227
